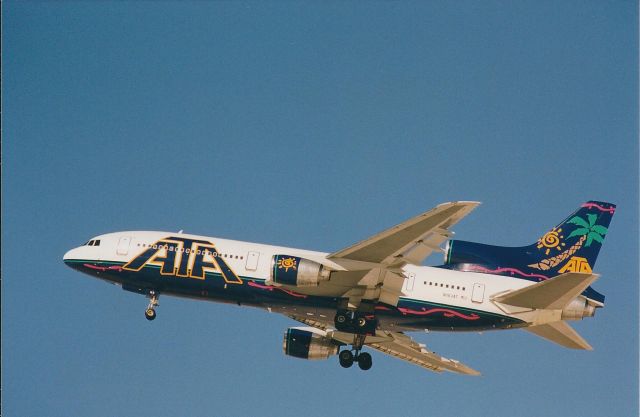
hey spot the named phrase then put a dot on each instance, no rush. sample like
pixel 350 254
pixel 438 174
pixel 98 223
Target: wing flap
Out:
pixel 403 347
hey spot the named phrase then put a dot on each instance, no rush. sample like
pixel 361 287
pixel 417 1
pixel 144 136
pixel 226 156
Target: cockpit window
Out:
pixel 96 243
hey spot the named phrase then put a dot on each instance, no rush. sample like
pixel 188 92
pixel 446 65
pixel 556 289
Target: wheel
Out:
pixel 346 358
pixel 150 314
pixel 341 318
pixel 364 361
pixel 362 322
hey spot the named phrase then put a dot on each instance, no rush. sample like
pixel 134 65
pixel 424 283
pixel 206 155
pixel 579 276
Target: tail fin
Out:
pixel 573 245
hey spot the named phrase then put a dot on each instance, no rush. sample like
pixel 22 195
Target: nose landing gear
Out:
pixel 150 312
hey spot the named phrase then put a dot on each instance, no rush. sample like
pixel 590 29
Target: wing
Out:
pixel 398 345
pixel 404 347
pixel 411 241
pixel 372 269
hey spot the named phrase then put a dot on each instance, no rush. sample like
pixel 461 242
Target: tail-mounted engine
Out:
pixel 578 309
pixel 296 272
pixel 308 343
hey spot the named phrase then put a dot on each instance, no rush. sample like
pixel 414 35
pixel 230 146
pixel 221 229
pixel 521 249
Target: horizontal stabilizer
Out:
pixel 552 294
pixel 561 333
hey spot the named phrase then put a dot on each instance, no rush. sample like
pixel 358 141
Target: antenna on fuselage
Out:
pixel 180 231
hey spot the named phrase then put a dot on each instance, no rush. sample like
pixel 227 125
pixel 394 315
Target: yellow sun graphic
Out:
pixel 287 263
pixel 550 240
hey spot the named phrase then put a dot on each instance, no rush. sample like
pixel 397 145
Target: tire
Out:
pixel 364 361
pixel 150 314
pixel 346 358
pixel 362 322
pixel 341 318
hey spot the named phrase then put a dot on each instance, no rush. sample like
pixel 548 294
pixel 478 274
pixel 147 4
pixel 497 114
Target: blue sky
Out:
pixel 311 125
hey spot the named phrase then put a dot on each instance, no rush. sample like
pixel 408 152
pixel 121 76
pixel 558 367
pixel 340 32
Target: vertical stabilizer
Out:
pixel 573 245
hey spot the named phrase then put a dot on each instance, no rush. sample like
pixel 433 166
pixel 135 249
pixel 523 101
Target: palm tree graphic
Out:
pixel 588 228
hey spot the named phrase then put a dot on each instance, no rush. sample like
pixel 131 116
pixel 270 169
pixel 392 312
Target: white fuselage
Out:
pixel 460 292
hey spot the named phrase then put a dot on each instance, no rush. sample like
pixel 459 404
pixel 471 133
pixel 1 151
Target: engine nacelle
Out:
pixel 308 343
pixel 578 309
pixel 296 272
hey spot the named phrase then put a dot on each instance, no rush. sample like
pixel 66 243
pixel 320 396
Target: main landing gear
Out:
pixel 150 312
pixel 356 322
pixel 347 357
pixel 361 324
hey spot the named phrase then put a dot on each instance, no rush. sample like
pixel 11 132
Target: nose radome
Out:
pixel 71 254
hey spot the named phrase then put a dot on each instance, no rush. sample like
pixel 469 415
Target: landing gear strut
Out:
pixel 150 312
pixel 347 357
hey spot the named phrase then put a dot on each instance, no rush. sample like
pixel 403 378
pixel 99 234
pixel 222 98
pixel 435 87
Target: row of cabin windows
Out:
pixel 95 242
pixel 453 287
pixel 187 250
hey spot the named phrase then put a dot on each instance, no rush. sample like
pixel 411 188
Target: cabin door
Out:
pixel 478 293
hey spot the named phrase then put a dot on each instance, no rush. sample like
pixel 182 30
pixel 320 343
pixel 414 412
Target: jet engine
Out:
pixel 578 309
pixel 296 272
pixel 308 343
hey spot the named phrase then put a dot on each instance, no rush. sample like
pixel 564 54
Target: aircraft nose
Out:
pixel 71 254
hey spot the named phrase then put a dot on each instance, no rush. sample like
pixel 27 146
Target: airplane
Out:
pixel 373 292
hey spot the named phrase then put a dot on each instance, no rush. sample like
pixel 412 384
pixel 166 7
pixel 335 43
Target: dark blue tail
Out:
pixel 571 246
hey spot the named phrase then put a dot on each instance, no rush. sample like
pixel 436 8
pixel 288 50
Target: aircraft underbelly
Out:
pixel 409 314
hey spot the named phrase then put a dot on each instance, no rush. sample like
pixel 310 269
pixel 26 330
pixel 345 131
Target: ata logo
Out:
pixel 183 257
pixel 576 264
